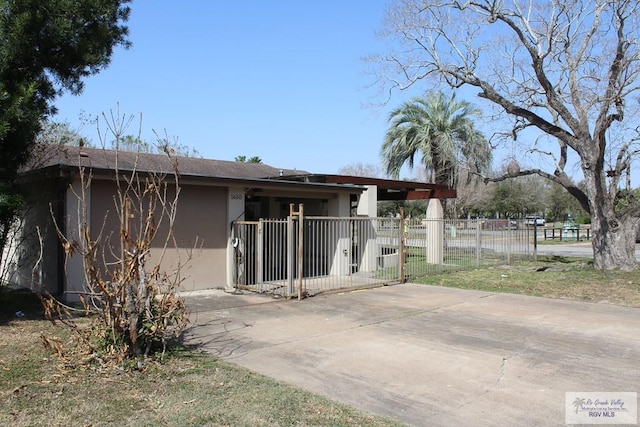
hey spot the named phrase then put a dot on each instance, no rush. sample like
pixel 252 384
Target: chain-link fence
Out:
pixel 465 244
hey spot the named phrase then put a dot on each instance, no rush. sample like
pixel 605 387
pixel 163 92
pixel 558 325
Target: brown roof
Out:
pixel 103 159
pixel 222 170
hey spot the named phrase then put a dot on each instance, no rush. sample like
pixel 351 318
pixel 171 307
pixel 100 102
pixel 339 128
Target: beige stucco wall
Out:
pixel 199 232
pixel 201 228
pixel 75 212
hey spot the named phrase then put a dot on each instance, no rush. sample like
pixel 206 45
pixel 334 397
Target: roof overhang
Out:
pixel 388 189
pixel 314 184
pixel 258 185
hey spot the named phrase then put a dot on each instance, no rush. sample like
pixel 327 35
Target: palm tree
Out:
pixel 243 159
pixel 442 131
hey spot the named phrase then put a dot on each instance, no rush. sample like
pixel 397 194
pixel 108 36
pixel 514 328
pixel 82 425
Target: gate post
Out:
pixel 290 259
pixel 478 242
pixel 401 247
pixel 300 254
pixel 300 248
pixel 259 239
pixel 231 262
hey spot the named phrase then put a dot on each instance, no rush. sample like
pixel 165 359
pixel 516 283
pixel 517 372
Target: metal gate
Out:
pixel 289 258
pixel 332 253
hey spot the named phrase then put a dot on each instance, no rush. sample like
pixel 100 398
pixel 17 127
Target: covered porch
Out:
pixel 301 253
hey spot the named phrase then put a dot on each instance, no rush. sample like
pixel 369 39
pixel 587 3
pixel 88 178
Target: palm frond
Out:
pixel 441 130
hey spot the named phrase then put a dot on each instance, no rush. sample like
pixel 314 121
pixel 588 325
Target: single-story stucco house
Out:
pixel 213 195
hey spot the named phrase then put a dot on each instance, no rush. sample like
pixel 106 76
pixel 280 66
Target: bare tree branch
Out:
pixel 561 179
pixel 566 69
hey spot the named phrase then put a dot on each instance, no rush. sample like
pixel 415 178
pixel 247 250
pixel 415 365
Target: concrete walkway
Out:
pixel 429 355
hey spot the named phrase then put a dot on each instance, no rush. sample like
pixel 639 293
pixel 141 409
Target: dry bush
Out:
pixel 133 305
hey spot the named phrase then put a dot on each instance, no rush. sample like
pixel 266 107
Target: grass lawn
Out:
pixel 187 389
pixel 550 276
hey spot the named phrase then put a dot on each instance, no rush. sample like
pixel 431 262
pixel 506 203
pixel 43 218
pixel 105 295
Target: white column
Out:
pixel 368 206
pixel 435 232
pixel 368 202
pixel 340 237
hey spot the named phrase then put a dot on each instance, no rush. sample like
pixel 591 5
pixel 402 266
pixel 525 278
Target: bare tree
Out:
pixel 163 145
pixel 59 134
pixel 471 195
pixel 368 170
pixel 566 73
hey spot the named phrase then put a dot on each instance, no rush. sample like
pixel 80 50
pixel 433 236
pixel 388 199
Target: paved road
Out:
pixel 573 250
pixel 428 355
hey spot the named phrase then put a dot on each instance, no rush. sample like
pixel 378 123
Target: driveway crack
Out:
pixel 502 367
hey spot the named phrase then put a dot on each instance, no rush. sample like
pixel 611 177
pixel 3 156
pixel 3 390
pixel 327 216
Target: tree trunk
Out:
pixel 614 232
pixel 614 240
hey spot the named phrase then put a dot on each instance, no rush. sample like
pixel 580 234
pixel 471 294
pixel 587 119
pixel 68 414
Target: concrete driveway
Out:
pixel 429 355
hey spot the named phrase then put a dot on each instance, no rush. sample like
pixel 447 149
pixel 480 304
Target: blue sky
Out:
pixel 283 80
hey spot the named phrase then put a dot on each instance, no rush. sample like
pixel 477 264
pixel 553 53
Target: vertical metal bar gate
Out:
pixel 342 253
